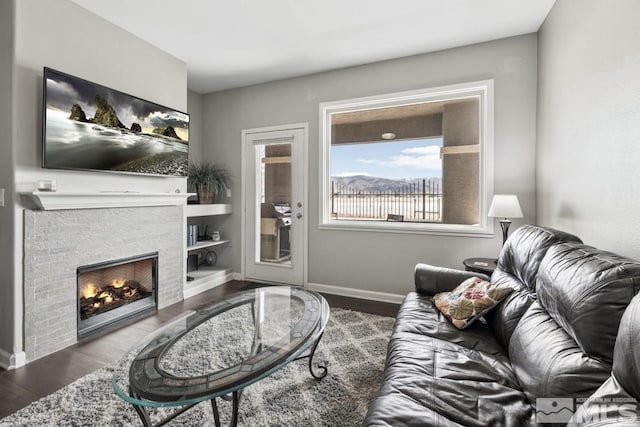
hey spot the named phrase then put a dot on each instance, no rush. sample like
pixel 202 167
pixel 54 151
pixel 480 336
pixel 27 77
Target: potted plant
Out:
pixel 209 180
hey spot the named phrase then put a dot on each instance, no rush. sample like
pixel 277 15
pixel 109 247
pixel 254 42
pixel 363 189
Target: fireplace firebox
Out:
pixel 116 291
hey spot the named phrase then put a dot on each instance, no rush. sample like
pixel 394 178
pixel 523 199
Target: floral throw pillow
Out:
pixel 469 300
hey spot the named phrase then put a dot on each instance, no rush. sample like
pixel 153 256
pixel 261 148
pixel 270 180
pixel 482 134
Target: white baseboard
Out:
pixel 357 293
pixel 12 361
pixel 205 285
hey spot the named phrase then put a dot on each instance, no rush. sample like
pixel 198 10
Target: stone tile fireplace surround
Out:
pixel 57 242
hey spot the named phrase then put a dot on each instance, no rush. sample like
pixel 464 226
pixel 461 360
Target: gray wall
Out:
pixel 7 290
pixel 64 36
pixel 194 108
pixel 588 176
pixel 373 261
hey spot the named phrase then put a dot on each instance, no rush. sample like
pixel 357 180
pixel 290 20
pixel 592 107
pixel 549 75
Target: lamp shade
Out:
pixel 505 206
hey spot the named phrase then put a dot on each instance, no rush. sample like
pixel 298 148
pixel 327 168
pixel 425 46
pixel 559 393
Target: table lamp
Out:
pixel 505 206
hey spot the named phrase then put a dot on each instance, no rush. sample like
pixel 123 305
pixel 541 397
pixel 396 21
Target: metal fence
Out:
pixel 417 202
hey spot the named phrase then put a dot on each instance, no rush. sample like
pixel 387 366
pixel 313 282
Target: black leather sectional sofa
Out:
pixel 554 350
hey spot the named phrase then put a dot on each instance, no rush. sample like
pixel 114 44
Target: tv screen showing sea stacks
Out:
pixel 88 126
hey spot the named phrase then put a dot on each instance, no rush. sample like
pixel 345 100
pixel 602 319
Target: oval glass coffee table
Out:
pixel 217 351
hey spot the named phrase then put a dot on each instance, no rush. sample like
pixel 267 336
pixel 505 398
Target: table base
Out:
pixel 235 397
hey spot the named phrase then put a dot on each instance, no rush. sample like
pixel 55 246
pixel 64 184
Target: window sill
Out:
pixel 409 228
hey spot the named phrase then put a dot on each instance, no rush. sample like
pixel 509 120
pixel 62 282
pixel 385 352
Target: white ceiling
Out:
pixel 233 43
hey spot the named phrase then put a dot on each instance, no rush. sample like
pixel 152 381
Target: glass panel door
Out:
pixel 274 195
pixel 274 199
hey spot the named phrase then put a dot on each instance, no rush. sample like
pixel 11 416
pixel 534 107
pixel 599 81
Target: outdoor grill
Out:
pixel 274 232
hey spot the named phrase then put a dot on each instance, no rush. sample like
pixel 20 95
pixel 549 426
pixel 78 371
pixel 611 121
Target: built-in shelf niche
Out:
pixel 206 277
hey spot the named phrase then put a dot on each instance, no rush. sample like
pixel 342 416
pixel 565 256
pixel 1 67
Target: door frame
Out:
pixel 304 126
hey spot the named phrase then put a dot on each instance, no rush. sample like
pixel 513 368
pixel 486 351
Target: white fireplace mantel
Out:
pixel 56 200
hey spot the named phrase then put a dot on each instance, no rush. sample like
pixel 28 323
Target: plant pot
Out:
pixel 205 194
pixel 209 181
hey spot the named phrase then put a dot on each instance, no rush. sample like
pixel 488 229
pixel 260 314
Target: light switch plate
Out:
pixel 1 197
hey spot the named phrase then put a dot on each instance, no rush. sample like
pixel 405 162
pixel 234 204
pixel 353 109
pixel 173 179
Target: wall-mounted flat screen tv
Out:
pixel 87 126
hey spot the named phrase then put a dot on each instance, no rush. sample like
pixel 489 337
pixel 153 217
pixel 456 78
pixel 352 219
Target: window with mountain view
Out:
pixel 413 161
pixel 380 180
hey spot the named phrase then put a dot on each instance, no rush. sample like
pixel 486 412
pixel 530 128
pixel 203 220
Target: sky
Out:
pixel 394 159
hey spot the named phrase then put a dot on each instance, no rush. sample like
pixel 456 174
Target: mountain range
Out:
pixel 376 184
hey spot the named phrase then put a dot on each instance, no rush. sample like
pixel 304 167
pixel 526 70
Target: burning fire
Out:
pixel 89 291
pixel 106 297
pixel 113 293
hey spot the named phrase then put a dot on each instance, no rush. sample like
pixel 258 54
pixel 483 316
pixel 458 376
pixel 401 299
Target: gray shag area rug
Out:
pixel 353 348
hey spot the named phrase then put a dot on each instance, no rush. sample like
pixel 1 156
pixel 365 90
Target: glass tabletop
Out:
pixel 222 348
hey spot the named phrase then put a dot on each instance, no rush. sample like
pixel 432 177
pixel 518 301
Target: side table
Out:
pixel 480 265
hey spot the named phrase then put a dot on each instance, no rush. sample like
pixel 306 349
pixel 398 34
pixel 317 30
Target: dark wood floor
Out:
pixel 24 385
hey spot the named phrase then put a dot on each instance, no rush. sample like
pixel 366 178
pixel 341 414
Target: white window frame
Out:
pixel 483 89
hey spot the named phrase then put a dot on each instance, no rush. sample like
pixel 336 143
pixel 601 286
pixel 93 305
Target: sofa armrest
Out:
pixel 430 280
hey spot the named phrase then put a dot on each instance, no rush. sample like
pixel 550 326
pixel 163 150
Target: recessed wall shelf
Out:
pixel 208 209
pixel 206 276
pixel 206 244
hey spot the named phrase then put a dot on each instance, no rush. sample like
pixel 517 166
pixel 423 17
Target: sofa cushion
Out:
pixel 518 268
pixel 526 247
pixel 437 374
pixel 616 402
pixel 586 291
pixel 418 315
pixel 504 317
pixel 468 301
pixel 428 381
pixel 626 363
pixel 548 362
